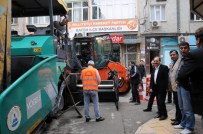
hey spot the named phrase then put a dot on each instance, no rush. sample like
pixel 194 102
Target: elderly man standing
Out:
pixel 172 76
pixel 90 80
pixel 151 97
pixel 159 85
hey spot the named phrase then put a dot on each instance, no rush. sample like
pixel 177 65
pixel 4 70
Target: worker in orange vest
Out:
pixel 90 79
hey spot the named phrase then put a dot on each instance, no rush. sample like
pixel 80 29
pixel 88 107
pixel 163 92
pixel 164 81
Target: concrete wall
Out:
pixel 187 25
pixel 170 25
pixel 167 26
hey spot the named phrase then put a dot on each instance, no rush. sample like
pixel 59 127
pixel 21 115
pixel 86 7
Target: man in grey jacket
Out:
pixel 172 75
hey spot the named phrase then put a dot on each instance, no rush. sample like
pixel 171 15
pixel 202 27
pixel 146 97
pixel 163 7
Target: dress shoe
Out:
pixel 173 119
pixel 100 119
pixel 163 118
pixel 88 119
pixel 178 127
pixel 175 123
pixel 157 116
pixel 137 103
pixel 147 110
pixel 186 131
pixel 131 101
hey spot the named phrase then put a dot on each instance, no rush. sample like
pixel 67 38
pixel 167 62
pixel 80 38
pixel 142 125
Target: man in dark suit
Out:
pixel 193 69
pixel 159 84
pixel 152 95
pixel 135 79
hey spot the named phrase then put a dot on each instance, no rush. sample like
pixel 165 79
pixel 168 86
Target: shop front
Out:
pixel 171 43
pixel 131 49
pixel 123 32
pixel 152 48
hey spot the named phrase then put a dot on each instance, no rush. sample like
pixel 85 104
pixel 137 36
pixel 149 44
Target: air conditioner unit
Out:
pixel 183 39
pixel 155 23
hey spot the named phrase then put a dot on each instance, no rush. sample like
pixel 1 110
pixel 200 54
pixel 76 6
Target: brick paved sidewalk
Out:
pixel 154 126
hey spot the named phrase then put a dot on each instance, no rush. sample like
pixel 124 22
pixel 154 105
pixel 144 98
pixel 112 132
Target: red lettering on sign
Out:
pixel 117 38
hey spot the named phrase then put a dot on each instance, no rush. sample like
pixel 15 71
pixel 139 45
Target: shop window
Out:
pixel 130 53
pixel 132 57
pixel 131 48
pixel 116 52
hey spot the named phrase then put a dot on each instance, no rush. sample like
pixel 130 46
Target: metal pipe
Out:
pixel 178 16
pixel 51 17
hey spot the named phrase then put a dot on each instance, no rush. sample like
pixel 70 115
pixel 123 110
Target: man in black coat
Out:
pixel 159 85
pixel 141 69
pixel 135 79
pixel 152 95
pixel 193 69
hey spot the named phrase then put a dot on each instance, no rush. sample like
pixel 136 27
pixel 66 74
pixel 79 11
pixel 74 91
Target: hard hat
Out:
pixel 91 62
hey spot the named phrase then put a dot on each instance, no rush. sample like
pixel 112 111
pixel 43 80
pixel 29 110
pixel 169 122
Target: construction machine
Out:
pixel 99 49
pixel 29 68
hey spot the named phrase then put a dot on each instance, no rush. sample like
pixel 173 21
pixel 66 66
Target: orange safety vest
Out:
pixel 89 78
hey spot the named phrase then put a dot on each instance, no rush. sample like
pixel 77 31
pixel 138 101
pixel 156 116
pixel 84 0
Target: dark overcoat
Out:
pixel 192 69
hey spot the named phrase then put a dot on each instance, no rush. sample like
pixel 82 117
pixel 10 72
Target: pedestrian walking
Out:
pixel 90 79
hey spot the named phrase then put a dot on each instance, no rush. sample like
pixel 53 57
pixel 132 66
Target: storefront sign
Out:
pixel 103 26
pixel 117 38
pixel 153 43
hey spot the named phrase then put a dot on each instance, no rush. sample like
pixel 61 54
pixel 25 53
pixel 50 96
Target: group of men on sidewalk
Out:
pixel 184 79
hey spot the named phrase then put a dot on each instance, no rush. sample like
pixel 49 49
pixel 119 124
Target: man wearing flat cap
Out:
pixel 90 79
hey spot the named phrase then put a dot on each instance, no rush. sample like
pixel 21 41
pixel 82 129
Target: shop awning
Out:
pixel 26 8
pixel 196 6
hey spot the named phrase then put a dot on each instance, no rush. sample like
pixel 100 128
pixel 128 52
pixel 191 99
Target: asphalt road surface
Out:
pixel 124 121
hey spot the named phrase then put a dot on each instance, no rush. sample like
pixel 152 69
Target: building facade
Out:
pixel 164 24
pixel 119 18
pixel 140 29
